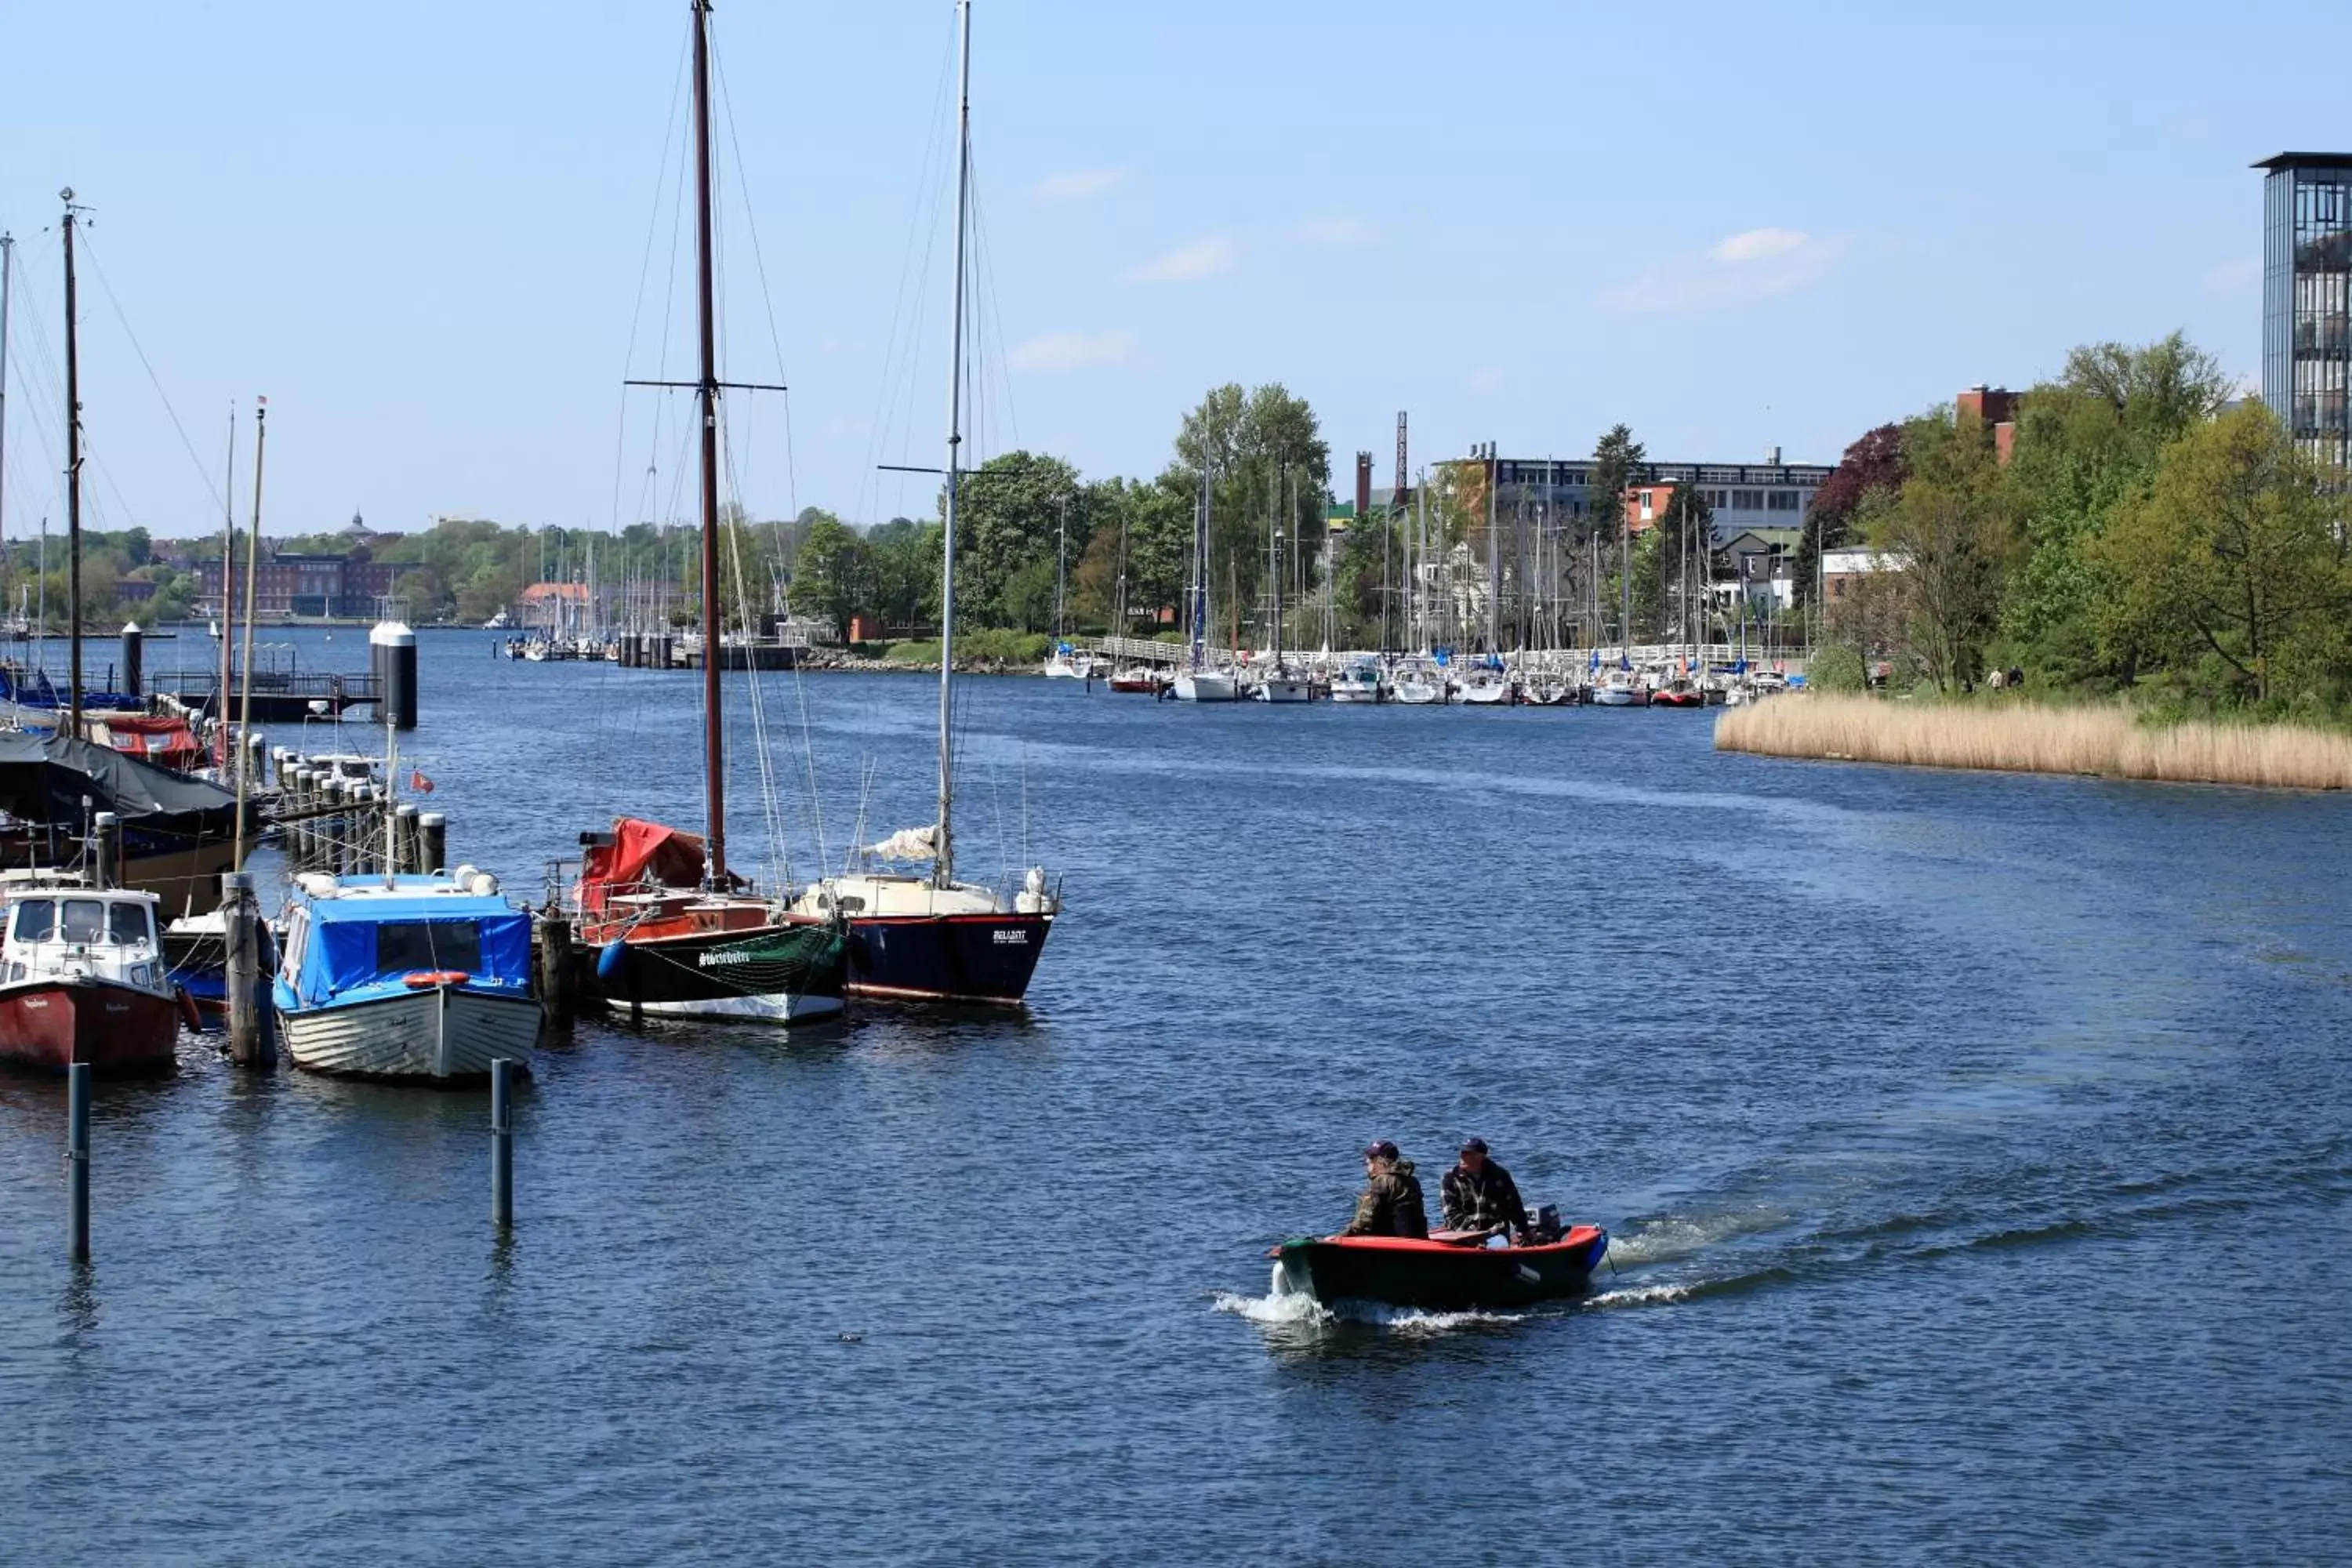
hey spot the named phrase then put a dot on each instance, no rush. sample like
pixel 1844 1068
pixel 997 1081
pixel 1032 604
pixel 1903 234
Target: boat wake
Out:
pixel 1285 1308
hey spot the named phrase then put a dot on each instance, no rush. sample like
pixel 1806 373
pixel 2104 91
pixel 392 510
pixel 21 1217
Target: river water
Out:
pixel 1978 1153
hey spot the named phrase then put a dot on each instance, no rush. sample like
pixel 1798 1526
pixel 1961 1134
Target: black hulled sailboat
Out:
pixel 933 938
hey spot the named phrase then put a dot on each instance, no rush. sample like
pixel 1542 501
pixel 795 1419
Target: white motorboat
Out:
pixel 1485 689
pixel 1620 689
pixel 1416 686
pixel 1358 680
pixel 1207 686
pixel 1278 685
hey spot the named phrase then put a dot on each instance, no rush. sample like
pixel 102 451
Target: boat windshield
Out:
pixel 84 920
pixel 414 945
pixel 126 922
pixel 36 918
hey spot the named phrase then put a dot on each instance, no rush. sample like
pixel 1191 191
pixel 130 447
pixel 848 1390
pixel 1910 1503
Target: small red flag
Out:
pixel 419 783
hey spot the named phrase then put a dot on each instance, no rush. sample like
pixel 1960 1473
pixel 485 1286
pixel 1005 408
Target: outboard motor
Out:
pixel 1543 1225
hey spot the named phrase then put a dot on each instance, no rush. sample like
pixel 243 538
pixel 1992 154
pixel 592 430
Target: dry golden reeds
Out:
pixel 2026 738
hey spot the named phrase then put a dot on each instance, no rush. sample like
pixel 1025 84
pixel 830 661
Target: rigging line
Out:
pixel 767 294
pixel 993 312
pixel 926 183
pixel 644 270
pixel 780 863
pixel 90 252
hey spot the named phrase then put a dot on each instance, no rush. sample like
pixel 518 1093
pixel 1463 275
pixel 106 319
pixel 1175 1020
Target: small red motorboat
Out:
pixel 1451 1271
pixel 1136 681
pixel 86 982
pixel 1680 694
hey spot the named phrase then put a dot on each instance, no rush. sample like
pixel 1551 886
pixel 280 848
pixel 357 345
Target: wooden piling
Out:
pixel 78 1161
pixel 502 1143
pixel 558 978
pixel 433 842
pixel 249 1042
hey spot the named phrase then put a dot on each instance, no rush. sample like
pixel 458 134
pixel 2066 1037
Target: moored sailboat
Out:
pixel 677 933
pixel 935 938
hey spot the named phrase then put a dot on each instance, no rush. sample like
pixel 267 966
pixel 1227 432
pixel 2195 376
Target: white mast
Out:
pixel 943 864
pixel 7 268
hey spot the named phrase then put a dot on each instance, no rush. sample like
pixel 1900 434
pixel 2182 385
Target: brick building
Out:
pixel 287 584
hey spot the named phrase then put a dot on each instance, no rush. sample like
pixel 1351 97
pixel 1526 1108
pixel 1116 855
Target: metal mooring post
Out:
pixel 78 1161
pixel 502 1143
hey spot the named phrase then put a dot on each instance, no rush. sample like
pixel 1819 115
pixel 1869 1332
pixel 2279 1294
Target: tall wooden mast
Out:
pixel 714 754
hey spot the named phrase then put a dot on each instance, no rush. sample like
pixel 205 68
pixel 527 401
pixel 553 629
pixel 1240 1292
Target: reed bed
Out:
pixel 2025 738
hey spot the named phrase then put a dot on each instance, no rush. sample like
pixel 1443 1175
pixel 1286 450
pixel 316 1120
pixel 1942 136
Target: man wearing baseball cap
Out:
pixel 1391 1204
pixel 1479 1195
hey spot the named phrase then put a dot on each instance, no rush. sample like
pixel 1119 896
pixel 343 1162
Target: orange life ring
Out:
pixel 424 977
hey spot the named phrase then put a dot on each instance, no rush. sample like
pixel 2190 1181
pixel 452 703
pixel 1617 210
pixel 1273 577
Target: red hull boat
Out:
pixel 1448 1272
pixel 120 1032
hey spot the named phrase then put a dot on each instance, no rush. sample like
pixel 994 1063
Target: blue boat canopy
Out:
pixel 375 943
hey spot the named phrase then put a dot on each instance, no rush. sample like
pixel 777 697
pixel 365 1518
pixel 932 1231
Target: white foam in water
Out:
pixel 1670 1237
pixel 1640 1295
pixel 1280 1306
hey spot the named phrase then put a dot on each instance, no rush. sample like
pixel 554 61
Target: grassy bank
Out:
pixel 2024 738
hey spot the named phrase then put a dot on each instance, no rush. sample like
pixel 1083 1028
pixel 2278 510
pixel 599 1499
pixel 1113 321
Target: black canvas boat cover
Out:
pixel 45 778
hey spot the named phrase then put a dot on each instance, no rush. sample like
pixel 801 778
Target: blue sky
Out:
pixel 420 230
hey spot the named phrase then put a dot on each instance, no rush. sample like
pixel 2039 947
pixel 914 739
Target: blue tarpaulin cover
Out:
pixel 346 949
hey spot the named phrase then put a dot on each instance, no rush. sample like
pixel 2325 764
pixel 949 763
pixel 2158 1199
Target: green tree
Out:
pixel 2235 554
pixel 1617 461
pixel 836 572
pixel 906 556
pixel 1269 468
pixel 1954 531
pixel 2088 443
pixel 1009 510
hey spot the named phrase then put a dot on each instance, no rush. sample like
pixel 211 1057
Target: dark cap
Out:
pixel 1470 1143
pixel 1380 1149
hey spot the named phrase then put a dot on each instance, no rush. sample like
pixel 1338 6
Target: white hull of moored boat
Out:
pixel 1418 693
pixel 1206 685
pixel 1282 689
pixel 435 1033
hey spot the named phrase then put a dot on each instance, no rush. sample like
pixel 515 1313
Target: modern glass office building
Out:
pixel 2307 299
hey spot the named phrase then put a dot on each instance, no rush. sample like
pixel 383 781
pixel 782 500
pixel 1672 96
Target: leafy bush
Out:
pixel 1835 667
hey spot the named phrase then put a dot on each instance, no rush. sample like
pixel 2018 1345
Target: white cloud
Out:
pixel 1076 351
pixel 1076 185
pixel 1487 379
pixel 1753 265
pixel 1332 230
pixel 2237 276
pixel 1758 245
pixel 1188 263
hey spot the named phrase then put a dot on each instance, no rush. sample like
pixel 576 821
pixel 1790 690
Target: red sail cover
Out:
pixel 641 852
pixel 162 739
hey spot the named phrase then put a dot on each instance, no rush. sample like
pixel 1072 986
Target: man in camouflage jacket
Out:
pixel 1391 1203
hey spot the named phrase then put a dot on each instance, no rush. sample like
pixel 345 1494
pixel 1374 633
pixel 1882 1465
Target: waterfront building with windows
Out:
pixel 2307 301
pixel 1741 496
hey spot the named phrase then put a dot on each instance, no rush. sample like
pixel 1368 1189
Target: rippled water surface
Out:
pixel 1979 1152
